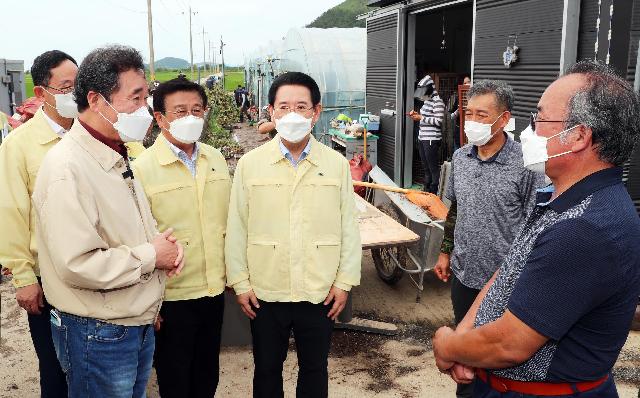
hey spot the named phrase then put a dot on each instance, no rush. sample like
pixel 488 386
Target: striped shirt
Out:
pixel 189 162
pixel 432 113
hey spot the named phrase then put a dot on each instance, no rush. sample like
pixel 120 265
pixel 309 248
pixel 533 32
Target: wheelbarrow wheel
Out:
pixel 386 268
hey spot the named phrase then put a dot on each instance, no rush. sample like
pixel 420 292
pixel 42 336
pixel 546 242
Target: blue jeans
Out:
pixel 604 390
pixel 102 359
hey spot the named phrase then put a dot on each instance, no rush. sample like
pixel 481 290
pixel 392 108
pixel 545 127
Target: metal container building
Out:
pixel 12 91
pixel 408 38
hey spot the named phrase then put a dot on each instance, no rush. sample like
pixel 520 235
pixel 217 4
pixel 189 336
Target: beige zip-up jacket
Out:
pixel 292 233
pixel 195 207
pixel 95 255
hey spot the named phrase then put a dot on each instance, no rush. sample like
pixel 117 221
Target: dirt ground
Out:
pixel 360 364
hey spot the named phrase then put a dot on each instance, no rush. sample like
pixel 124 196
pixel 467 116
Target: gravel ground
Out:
pixel 360 364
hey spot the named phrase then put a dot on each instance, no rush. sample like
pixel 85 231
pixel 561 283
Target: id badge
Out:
pixel 55 318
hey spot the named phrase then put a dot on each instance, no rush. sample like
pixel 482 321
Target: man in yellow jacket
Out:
pixel 21 153
pixel 187 184
pixel 293 248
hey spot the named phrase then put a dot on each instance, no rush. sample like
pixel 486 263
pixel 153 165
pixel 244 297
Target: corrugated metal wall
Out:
pixel 382 60
pixel 587 30
pixel 538 26
pixel 633 182
pixel 633 45
pixel 586 50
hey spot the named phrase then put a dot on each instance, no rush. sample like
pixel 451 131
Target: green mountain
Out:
pixel 342 16
pixel 172 63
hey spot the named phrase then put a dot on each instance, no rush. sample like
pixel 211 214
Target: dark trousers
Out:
pixel 53 382
pixel 244 111
pixel 270 332
pixel 188 347
pixel 462 298
pixel 430 156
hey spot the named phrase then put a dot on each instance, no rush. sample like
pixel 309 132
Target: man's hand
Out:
pixel 179 263
pixel 415 116
pixel 442 269
pixel 462 374
pixel 266 127
pixel 339 298
pixel 31 298
pixel 158 323
pixel 439 340
pixel 166 250
pixel 246 300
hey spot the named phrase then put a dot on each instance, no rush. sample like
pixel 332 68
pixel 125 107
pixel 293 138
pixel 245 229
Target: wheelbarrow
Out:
pixel 392 263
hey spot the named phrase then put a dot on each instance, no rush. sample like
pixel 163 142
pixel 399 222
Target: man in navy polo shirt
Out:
pixel 554 317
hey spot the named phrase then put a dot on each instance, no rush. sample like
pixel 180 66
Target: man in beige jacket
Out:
pixel 102 260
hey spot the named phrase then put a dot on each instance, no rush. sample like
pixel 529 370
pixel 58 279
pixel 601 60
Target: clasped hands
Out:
pixel 460 373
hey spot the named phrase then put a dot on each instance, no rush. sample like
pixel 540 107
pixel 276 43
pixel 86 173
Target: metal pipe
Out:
pixel 636 84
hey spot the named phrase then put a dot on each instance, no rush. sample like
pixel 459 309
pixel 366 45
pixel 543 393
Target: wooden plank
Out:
pixel 378 229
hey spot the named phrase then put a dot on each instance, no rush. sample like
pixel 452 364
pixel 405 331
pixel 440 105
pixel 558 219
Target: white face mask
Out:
pixel 187 129
pixel 479 133
pixel 293 127
pixel 65 105
pixel 534 149
pixel 131 126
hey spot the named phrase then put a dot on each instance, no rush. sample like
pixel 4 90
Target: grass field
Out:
pixel 233 78
pixel 28 85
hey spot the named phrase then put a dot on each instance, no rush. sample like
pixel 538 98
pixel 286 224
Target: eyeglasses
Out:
pixel 197 112
pixel 299 109
pixel 533 119
pixel 63 90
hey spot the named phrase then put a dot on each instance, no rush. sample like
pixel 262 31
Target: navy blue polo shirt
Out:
pixel 573 275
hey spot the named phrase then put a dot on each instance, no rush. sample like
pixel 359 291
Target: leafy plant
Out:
pixel 220 120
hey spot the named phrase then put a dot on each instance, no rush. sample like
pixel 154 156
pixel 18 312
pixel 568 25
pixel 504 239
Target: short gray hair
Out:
pixel 501 90
pixel 100 69
pixel 609 107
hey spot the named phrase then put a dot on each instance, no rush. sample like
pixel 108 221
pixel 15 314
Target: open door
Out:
pixel 383 54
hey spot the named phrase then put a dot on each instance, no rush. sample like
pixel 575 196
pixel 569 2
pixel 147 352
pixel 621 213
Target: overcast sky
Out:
pixel 78 26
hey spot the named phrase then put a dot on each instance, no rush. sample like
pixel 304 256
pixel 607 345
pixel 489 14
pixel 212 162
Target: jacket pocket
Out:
pixel 322 269
pixel 269 202
pixel 109 333
pixel 266 270
pixel 217 191
pixel 153 190
pixel 322 198
pixel 218 177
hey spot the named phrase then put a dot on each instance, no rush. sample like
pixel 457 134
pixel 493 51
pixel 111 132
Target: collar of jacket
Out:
pixel 275 154
pixel 103 154
pixel 164 154
pixel 42 128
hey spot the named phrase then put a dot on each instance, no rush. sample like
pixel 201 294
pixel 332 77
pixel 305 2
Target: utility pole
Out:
pixel 191 39
pixel 210 57
pixel 152 69
pixel 204 51
pixel 222 56
pixel 215 60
